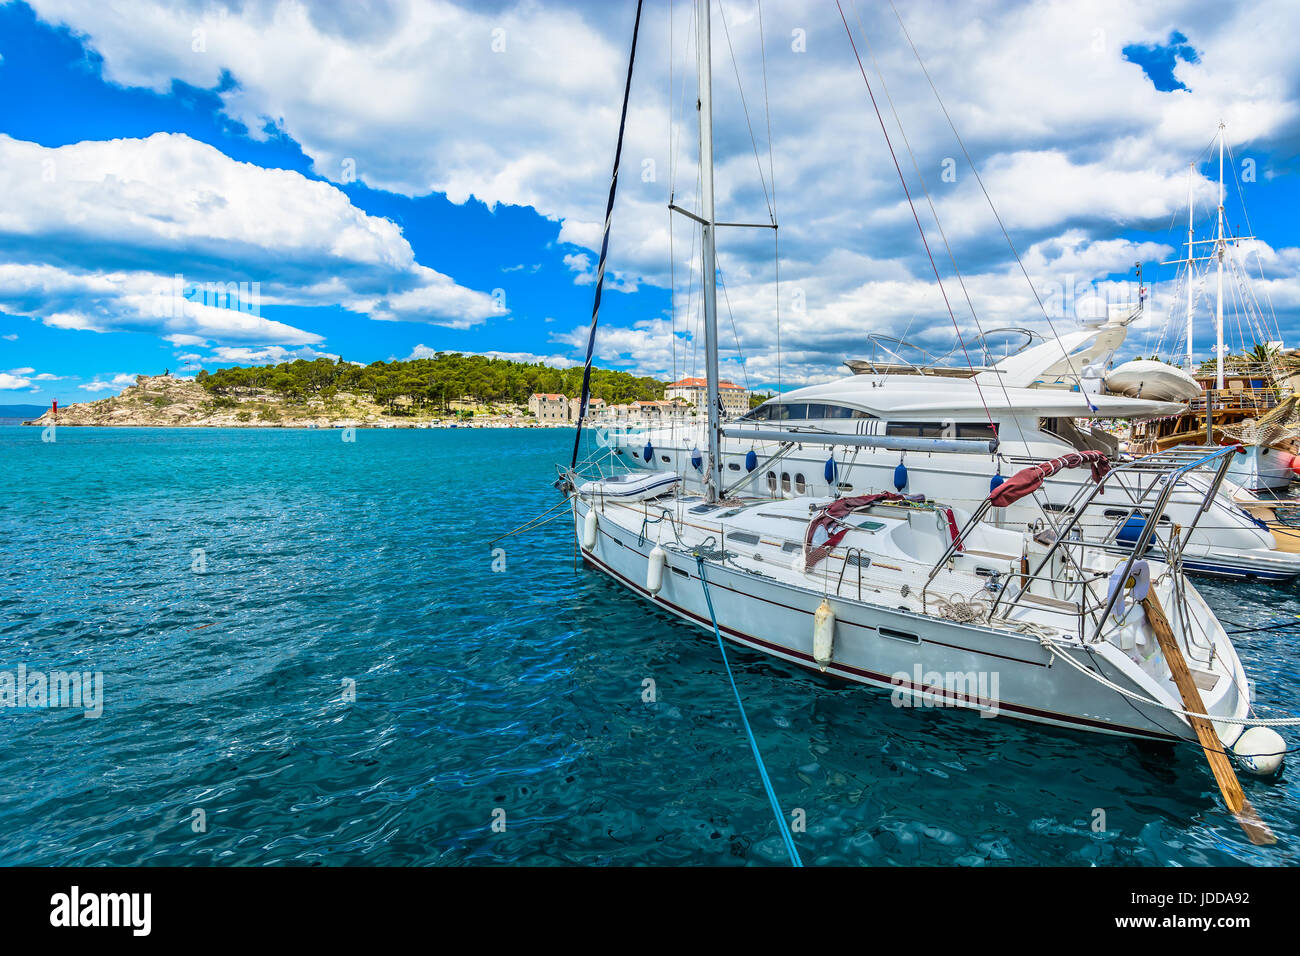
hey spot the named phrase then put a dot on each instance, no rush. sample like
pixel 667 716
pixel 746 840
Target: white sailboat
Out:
pixel 939 605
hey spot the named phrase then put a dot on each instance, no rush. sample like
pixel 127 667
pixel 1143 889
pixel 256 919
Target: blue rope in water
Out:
pixel 753 744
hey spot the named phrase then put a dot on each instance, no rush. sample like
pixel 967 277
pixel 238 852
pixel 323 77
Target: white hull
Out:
pixel 890 648
pixel 1262 469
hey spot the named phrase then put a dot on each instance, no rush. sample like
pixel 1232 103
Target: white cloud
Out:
pixel 555 361
pixel 16 378
pixel 116 384
pixel 1075 142
pixel 132 214
pixel 270 355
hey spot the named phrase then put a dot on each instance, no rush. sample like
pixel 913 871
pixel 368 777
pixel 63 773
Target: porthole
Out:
pixel 800 486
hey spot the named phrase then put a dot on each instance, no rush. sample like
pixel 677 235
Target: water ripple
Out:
pixel 236 587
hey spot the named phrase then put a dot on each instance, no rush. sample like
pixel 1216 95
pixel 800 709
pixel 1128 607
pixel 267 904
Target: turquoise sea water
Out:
pixel 479 691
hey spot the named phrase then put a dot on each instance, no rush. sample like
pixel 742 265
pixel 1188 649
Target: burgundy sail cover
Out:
pixel 829 519
pixel 1028 480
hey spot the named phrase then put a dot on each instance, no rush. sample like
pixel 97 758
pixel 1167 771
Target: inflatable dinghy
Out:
pixel 639 486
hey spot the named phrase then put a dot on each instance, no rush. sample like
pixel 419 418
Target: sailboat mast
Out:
pixel 1191 366
pixel 705 106
pixel 1218 248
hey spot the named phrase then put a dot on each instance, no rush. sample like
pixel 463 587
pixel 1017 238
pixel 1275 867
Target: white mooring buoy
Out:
pixel 823 633
pixel 1260 751
pixel 654 572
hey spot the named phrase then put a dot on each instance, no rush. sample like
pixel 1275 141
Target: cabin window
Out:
pixel 800 486
pixel 982 432
pixel 771 482
pixel 664 458
pixel 844 486
pixel 968 430
pixel 743 537
pixel 733 466
pixel 801 411
pixel 916 429
pixel 785 482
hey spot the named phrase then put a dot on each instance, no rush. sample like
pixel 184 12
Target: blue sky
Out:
pixel 405 177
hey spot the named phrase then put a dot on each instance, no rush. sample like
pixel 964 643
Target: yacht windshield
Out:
pixel 802 412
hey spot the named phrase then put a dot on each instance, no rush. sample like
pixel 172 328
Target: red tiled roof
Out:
pixel 701 383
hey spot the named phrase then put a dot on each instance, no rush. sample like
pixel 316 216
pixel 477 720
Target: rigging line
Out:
pixel 771 172
pixel 1258 318
pixel 690 304
pixel 1238 308
pixel 727 299
pixel 786 837
pixel 672 292
pixel 672 180
pixel 1241 197
pixel 961 281
pixel 979 179
pixel 674 159
pixel 776 268
pixel 907 192
pixel 745 109
pixel 604 244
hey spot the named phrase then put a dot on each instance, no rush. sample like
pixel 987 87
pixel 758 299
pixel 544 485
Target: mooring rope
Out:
pixel 786 836
pixel 535 522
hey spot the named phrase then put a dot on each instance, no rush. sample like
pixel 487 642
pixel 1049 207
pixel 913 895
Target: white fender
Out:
pixel 589 525
pixel 1260 750
pixel 823 633
pixel 654 574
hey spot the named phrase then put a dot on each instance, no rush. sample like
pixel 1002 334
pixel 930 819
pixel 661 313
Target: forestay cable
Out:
pixel 604 246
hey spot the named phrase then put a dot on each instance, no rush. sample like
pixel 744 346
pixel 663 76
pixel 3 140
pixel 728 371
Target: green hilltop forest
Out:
pixel 428 382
